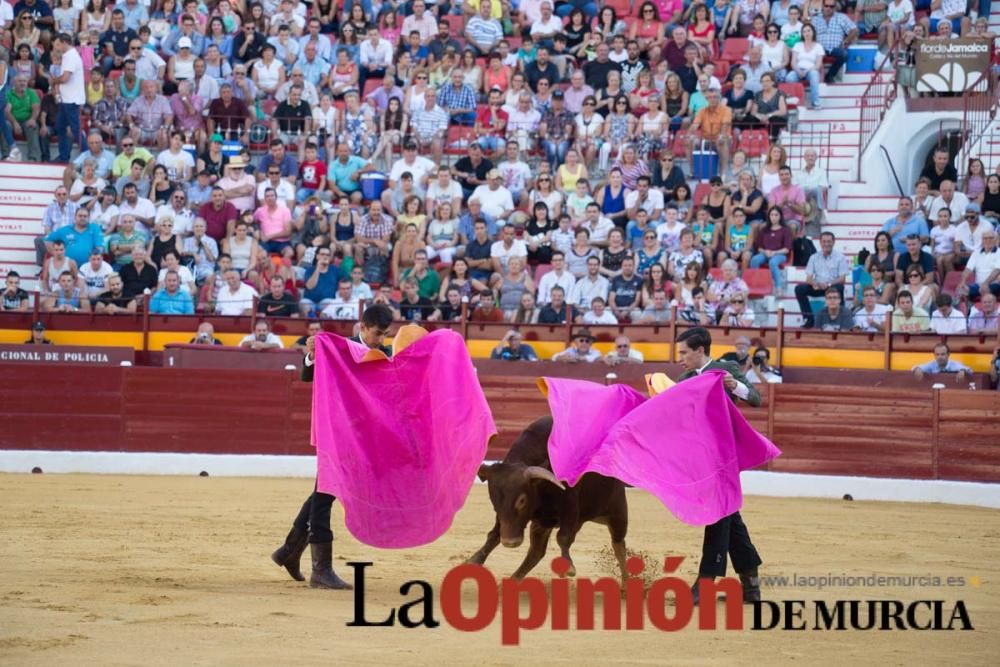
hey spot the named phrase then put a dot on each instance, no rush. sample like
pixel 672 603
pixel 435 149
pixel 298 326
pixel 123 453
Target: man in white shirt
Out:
pixel 591 285
pixel 72 95
pixel 969 232
pixel 495 199
pixel 598 313
pixel 376 55
pixel 179 162
pixel 417 165
pixel 984 266
pixel 140 208
pixel 947 319
pixel 262 338
pixel 176 209
pixel 282 188
pixel 547 25
pixel 623 353
pixel 515 172
pixel 95 274
pixel 236 298
pixel 558 276
pixel 344 306
pixel 522 122
pixel 951 199
pixel 871 316
pixel 422 21
pixel 814 183
pixel 644 197
pixel 507 247
pixel 443 189
pixel 580 350
pixel 598 226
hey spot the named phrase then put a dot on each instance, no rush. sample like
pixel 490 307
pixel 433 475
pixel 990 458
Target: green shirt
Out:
pixel 123 162
pixel 427 286
pixel 120 239
pixel 20 107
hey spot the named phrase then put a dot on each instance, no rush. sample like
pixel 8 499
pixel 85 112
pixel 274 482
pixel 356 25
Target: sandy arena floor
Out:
pixel 108 570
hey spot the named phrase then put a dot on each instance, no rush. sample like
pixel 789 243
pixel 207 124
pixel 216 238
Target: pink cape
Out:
pixel 686 446
pixel 398 441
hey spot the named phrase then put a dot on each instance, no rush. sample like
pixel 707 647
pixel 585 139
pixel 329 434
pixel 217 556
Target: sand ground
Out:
pixel 111 570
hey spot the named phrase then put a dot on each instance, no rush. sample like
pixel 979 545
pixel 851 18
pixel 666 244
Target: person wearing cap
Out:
pixel 458 99
pixel 580 350
pixel 556 130
pixel 150 115
pixel 430 126
pixel 184 34
pixel 494 197
pixel 38 335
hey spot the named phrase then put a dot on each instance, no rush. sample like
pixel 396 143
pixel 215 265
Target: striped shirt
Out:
pixel 484 33
pixel 370 229
pixel 462 98
pixel 426 123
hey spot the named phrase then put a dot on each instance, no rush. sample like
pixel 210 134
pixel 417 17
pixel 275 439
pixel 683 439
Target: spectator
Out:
pixel 471 170
pixel 68 297
pixel 428 281
pixel 835 32
pixel 450 309
pixel 591 285
pixel 657 312
pixel 150 116
pixel 114 300
pixel 938 170
pixel 824 269
pixel 458 99
pixel 598 314
pixel 761 370
pixel 870 317
pixel 274 222
pixel 906 318
pixel 72 94
pixel 983 318
pixel 277 302
pixel 262 338
pixel 171 299
pixel 623 353
pixel 487 310
pixel 625 290
pixel 482 32
pixel 946 319
pixel 815 184
pixel 905 223
pixel 236 297
pixel 321 282
pixel 943 242
pixel 95 273
pixel 699 311
pixel 580 349
pixel 312 329
pixel 15 299
pixel 790 198
pixel 80 238
pixel 740 354
pixel 834 317
pixel 38 335
pixel 737 313
pixel 24 110
pixel 429 123
pixel 228 115
pixel 712 125
pixel 372 237
pixel 417 165
pixel 238 186
pixel 414 307
pixel 943 363
pixel 219 215
pixel 344 306
pixel 511 347
pixel 969 234
pixel 139 276
pixel 951 199
pixel 984 268
pixel 555 311
pixel 205 335
pixel 685 255
pixel 345 173
pixel 61 212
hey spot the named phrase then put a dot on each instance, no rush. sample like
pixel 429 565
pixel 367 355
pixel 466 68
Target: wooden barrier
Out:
pixel 880 431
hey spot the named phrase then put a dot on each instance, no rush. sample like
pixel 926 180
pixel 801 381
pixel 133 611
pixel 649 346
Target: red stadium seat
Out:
pixel 795 94
pixel 621 7
pixel 952 281
pixel 734 49
pixel 760 282
pixel 456 22
pixel 754 142
pixel 680 141
pixel 459 137
pixel 371 85
pixel 715 273
pixel 700 192
pixel 541 270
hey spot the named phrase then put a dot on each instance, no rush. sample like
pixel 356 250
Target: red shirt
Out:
pixel 215 221
pixel 486 120
pixel 312 173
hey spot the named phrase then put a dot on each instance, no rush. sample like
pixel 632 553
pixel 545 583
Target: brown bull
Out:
pixel 523 489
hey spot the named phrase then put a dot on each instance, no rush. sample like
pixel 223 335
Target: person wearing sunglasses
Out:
pixel 835 32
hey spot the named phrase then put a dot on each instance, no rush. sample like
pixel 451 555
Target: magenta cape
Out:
pixel 686 446
pixel 398 441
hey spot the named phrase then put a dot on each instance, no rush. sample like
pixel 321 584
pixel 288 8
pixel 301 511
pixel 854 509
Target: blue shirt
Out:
pixel 104 161
pixel 289 165
pixel 932 368
pixel 178 303
pixel 915 225
pixel 341 173
pixel 326 285
pixel 79 244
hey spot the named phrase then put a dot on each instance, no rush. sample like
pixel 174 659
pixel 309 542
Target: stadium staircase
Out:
pixel 26 188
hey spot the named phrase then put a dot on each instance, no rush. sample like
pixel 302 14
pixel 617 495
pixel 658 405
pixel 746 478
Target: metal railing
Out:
pixel 874 102
pixel 818 136
pixel 979 110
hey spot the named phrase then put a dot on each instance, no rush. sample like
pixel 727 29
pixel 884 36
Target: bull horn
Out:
pixel 484 471
pixel 538 472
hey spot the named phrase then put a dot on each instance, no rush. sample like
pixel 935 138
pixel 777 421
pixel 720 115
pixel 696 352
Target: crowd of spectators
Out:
pixel 581 162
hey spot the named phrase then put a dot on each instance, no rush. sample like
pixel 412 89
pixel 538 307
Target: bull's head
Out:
pixel 514 492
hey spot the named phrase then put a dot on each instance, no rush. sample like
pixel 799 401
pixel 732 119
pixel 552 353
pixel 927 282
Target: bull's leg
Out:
pixel 618 527
pixel 565 538
pixel 538 543
pixel 492 540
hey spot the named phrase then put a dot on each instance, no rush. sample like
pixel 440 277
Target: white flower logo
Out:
pixel 951 78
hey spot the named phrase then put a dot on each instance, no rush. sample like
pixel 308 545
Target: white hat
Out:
pixel 184 43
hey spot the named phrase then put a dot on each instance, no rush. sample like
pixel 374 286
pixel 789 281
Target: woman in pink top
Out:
pixel 275 225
